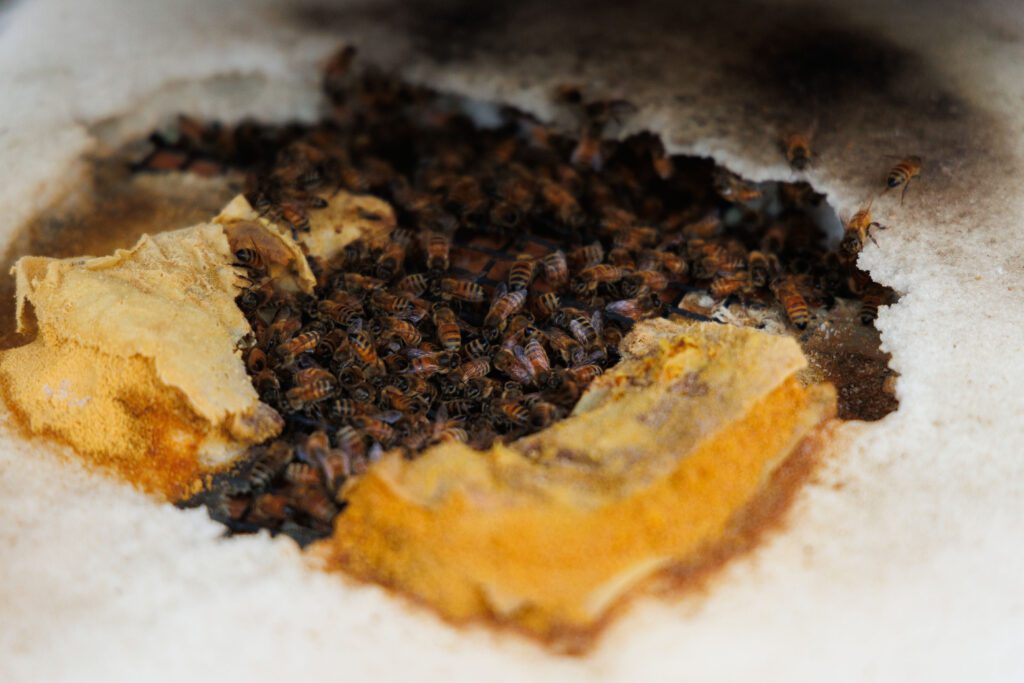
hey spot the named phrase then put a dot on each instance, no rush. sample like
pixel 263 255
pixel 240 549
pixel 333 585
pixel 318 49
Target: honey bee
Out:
pixel 251 260
pixel 302 474
pixel 313 500
pixel 584 374
pixel 362 345
pixel 437 248
pixel 513 412
pixel 586 256
pixel 521 273
pixel 788 294
pixel 391 259
pixel 543 414
pixel 583 330
pixel 706 228
pixel 871 299
pixel 546 304
pixel 901 174
pixel 858 231
pixel 732 188
pixel 636 308
pixel 448 333
pixel 556 268
pixel 730 283
pixel 449 433
pixel 661 162
pixel 602 273
pixel 255 361
pixel 472 369
pixel 570 350
pixel 797 147
pixel 337 70
pixel 537 357
pixel 311 374
pixel 561 202
pixel 334 463
pixel 268 509
pixel 503 307
pixel 462 290
pixel 415 284
pixel 477 347
pixel 268 464
pixel 378 430
pixel 311 392
pixel 351 441
pixel 506 362
pixel 468 199
pixel 300 343
pixel 427 363
pixel 460 407
pixel 763 267
pixel 774 239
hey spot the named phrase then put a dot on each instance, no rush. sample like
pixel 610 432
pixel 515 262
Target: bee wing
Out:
pixel 499 291
pixel 413 352
pixel 389 416
pixel 597 321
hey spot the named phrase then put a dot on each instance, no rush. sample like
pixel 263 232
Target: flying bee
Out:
pixel 586 256
pixel 763 267
pixel 462 290
pixel 503 307
pixel 871 299
pixel 901 174
pixel 858 231
pixel 448 332
pixel 310 392
pixel 300 343
pixel 415 284
pixel 787 292
pixel 437 248
pixel 521 273
pixel 797 147
pixel 556 268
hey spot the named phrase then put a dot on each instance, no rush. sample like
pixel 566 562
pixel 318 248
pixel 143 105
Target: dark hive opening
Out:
pixel 522 257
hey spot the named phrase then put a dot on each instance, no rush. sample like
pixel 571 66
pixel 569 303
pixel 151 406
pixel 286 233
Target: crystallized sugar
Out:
pixel 902 562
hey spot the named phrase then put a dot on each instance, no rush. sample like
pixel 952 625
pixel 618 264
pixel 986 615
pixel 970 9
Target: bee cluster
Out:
pixel 521 259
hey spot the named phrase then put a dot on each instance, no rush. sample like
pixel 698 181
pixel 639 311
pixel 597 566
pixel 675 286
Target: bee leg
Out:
pixel 903 195
pixel 875 225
